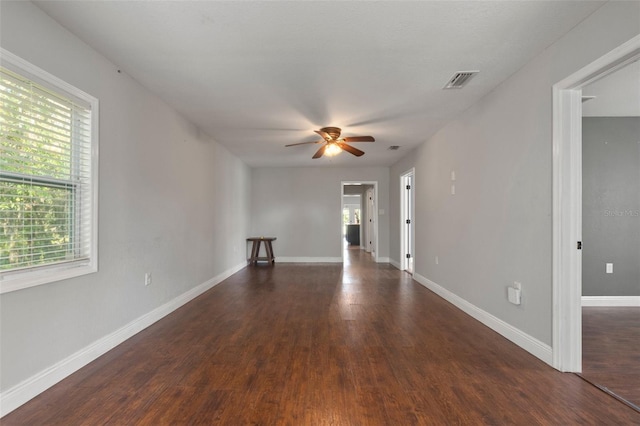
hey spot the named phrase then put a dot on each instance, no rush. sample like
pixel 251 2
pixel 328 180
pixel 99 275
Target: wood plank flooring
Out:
pixel 316 344
pixel 611 350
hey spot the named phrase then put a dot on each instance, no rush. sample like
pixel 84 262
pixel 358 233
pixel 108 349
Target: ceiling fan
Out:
pixel 333 144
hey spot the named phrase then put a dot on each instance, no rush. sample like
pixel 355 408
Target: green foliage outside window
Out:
pixel 36 187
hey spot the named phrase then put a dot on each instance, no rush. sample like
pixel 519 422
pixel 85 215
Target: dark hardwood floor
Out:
pixel 316 344
pixel 611 350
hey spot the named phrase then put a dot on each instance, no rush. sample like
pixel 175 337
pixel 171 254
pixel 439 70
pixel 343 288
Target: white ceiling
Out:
pixel 616 95
pixel 259 75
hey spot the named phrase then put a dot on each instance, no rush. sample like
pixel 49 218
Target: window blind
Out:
pixel 45 175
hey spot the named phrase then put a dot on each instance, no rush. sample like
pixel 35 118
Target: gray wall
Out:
pixel 497 229
pixel 351 199
pixel 301 207
pixel 353 190
pixel 172 201
pixel 611 205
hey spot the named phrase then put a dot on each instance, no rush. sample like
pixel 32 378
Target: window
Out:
pixel 48 177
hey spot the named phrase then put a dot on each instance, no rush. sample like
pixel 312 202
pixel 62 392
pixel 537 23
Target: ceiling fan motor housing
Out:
pixel 334 132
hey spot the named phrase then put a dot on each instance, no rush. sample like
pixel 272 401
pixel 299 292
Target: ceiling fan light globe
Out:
pixel 332 149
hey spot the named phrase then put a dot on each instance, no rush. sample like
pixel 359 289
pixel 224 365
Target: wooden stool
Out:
pixel 255 250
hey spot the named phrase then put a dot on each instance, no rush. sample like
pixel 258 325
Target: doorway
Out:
pixel 367 217
pixel 407 210
pixel 567 203
pixel 611 232
pixel 351 219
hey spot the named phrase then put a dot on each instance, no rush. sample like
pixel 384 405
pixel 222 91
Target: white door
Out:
pixel 371 203
pixel 407 224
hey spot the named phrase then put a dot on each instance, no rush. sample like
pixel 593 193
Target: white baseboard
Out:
pixel 309 259
pixel 517 336
pixel 395 264
pixel 22 392
pixel 619 301
pixel 320 259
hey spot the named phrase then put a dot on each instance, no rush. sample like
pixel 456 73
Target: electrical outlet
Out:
pixel 609 268
pixel 147 278
pixel 514 295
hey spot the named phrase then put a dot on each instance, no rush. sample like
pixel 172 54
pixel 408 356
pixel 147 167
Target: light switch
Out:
pixel 609 268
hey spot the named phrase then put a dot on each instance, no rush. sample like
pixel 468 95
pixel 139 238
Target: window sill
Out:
pixel 19 280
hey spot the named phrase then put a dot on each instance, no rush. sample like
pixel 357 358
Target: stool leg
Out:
pixel 254 253
pixel 269 251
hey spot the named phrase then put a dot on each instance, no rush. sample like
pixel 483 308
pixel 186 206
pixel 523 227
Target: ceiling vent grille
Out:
pixel 460 79
pixel 394 147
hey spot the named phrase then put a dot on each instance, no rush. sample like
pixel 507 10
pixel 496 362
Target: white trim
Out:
pixel 395 264
pixel 567 230
pixel 617 301
pixel 45 274
pixel 309 259
pixel 383 260
pixel 567 203
pixel 517 336
pixel 22 392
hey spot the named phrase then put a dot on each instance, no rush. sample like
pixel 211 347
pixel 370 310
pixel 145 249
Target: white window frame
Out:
pixel 12 280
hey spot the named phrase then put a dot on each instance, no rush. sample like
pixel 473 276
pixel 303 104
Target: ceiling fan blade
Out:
pixel 320 152
pixel 360 139
pixel 303 143
pixel 350 149
pixel 326 136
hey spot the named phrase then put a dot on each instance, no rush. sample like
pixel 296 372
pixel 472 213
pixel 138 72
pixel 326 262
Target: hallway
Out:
pixel 319 344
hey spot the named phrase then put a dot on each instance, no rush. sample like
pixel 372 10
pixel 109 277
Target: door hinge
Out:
pixel 408 256
pixel 408 186
pixel 579 245
pixel 408 221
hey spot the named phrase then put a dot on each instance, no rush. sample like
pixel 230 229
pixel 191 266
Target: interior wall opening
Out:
pixel 567 202
pixel 611 233
pixel 359 217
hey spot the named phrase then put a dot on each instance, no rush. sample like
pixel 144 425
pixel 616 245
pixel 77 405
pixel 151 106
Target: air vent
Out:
pixel 460 79
pixel 394 147
pixel 587 98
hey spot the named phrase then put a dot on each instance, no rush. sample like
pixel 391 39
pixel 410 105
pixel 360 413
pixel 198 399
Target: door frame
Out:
pixel 374 183
pixel 404 263
pixel 567 203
